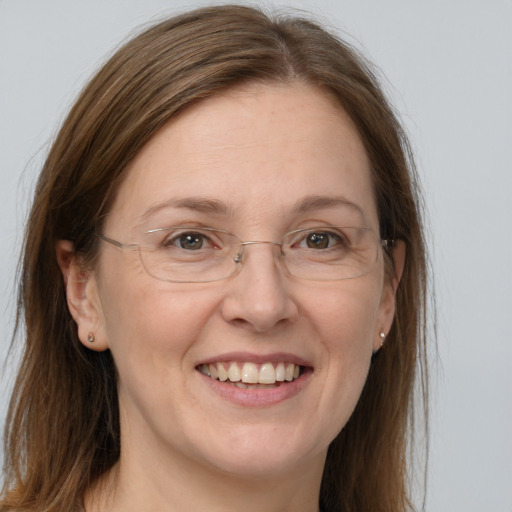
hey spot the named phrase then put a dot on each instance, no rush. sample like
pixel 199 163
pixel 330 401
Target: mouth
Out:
pixel 249 375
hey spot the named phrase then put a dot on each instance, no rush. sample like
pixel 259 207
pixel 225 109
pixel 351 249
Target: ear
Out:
pixel 82 296
pixel 398 255
pixel 387 302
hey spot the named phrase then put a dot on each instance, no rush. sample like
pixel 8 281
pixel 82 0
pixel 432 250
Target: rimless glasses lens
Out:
pixel 184 254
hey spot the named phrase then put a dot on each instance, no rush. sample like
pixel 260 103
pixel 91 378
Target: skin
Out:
pixel 259 150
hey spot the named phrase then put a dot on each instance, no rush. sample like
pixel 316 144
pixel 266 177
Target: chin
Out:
pixel 252 452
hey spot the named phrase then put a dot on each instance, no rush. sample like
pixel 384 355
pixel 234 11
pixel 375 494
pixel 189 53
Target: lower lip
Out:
pixel 257 397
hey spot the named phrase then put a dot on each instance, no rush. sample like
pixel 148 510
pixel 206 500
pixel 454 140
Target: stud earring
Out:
pixel 90 337
pixel 382 335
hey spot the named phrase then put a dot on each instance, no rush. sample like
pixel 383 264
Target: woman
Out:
pixel 224 233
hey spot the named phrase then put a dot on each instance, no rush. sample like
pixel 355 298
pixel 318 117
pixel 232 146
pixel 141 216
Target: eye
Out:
pixel 190 241
pixel 321 240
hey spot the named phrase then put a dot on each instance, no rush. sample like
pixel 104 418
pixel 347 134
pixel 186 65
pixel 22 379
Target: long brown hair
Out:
pixel 62 430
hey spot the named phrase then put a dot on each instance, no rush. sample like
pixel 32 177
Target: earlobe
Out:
pixel 82 296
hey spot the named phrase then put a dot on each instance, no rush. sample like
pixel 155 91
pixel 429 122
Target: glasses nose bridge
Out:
pixel 240 254
pixel 256 242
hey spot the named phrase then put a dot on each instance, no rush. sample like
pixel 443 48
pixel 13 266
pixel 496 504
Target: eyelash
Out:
pixel 176 239
pixel 334 239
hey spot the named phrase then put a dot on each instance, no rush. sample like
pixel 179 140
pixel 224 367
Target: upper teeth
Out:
pixel 251 373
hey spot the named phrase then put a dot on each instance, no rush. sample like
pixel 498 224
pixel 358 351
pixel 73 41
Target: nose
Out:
pixel 258 296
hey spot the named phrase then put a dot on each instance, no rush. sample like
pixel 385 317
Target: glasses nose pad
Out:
pixel 279 255
pixel 239 255
pixel 237 258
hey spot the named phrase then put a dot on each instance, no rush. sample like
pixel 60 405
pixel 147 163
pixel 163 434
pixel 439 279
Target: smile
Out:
pixel 250 375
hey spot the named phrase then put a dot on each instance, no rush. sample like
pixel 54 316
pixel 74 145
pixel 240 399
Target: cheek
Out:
pixel 151 326
pixel 345 321
pixel 152 336
pixel 346 317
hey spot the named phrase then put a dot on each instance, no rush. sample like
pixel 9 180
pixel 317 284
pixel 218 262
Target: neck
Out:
pixel 166 484
pixel 194 488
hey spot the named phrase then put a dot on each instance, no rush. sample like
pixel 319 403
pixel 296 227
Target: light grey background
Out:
pixel 449 70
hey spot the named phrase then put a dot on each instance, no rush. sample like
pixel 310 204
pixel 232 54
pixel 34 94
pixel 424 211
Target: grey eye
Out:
pixel 190 241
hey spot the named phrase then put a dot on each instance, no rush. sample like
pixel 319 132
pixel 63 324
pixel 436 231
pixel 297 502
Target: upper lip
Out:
pixel 251 357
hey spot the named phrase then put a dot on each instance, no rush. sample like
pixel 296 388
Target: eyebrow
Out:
pixel 217 207
pixel 317 202
pixel 199 204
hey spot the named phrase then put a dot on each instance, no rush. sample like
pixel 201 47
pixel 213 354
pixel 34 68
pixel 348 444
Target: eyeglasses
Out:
pixel 182 254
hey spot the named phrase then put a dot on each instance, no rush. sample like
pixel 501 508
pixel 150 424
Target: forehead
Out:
pixel 254 152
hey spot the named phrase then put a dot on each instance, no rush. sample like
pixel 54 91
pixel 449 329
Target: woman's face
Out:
pixel 258 162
